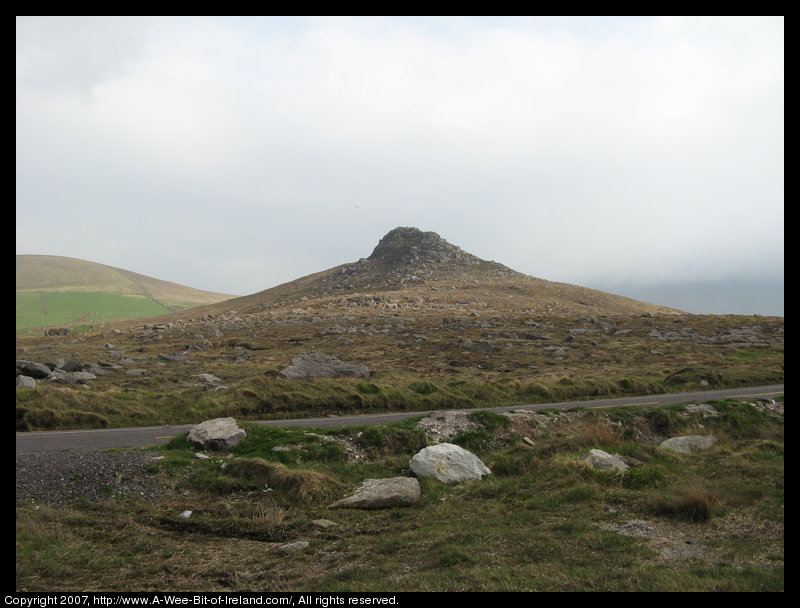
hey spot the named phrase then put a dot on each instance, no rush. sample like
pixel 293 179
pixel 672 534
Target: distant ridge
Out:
pixel 428 273
pixel 63 278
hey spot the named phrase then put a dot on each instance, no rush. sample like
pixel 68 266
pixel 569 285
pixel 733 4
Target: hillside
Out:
pixel 414 270
pixel 421 323
pixel 54 291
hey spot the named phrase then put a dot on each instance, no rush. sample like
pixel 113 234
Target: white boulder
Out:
pixel 448 463
pixel 219 434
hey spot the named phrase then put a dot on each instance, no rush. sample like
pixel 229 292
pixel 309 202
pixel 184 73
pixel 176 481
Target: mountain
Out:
pixel 433 326
pixel 61 291
pixel 412 269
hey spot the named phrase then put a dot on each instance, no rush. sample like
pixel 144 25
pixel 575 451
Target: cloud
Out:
pixel 566 148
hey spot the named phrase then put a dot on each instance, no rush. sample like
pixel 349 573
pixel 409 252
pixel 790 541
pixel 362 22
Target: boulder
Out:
pixel 25 382
pixel 320 365
pixel 688 443
pixel 33 369
pixel 382 494
pixel 448 463
pixel 598 459
pixel 219 434
pixel 208 378
pixel 298 546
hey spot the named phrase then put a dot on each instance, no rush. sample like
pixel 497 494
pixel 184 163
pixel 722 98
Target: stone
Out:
pixel 325 524
pixel 25 382
pixel 478 347
pixel 208 378
pixel 688 443
pixel 298 546
pixel 598 459
pixel 382 494
pixel 33 369
pixel 320 365
pixel 448 463
pixel 219 434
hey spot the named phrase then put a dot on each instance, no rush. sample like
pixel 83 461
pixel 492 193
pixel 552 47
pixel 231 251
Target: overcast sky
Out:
pixel 233 154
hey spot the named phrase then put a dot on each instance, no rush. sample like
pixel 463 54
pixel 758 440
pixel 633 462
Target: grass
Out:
pixel 541 522
pixel 63 309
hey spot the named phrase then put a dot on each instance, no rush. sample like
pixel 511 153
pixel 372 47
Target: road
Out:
pixel 100 439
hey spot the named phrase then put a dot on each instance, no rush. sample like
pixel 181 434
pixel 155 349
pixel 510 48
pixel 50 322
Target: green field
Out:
pixel 35 311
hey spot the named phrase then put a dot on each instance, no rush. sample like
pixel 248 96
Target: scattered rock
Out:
pixel 25 382
pixel 320 365
pixel 478 347
pixel 448 463
pixel 688 443
pixel 186 514
pixel 208 378
pixel 604 461
pixel 298 546
pixel 706 410
pixel 445 424
pixel 219 434
pixel 382 494
pixel 325 524
pixel 33 369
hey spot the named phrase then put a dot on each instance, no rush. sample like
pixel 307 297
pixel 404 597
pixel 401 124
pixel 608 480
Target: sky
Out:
pixel 233 154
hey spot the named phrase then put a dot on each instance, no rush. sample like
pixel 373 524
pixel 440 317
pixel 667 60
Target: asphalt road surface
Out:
pixel 101 439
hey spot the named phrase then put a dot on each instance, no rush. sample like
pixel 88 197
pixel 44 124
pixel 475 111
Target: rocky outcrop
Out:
pixel 688 443
pixel 382 494
pixel 598 459
pixel 320 365
pixel 448 463
pixel 412 246
pixel 33 369
pixel 218 435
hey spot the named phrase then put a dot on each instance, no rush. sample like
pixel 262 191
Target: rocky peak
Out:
pixel 412 246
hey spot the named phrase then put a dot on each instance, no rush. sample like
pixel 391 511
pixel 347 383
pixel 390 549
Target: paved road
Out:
pixel 99 439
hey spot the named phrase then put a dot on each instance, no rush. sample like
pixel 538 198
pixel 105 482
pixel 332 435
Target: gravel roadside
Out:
pixel 57 477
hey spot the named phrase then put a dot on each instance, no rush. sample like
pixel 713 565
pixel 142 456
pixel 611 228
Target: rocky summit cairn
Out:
pixel 412 246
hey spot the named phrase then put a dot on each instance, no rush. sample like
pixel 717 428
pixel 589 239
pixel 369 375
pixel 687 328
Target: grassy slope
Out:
pixel 541 522
pixel 81 291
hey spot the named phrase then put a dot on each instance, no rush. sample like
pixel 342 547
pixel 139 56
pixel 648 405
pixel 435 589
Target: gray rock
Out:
pixel 25 382
pixel 382 494
pixel 604 461
pixel 298 546
pixel 199 345
pixel 320 365
pixel 208 378
pixel 83 376
pixel 33 369
pixel 219 434
pixel 448 463
pixel 325 524
pixel 213 388
pixel 688 443
pixel 173 358
pixel 478 347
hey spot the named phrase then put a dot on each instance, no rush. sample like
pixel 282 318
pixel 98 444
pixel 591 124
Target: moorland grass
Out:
pixel 542 521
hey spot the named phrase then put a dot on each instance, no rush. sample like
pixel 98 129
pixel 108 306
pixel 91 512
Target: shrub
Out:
pixel 423 387
pixel 692 503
